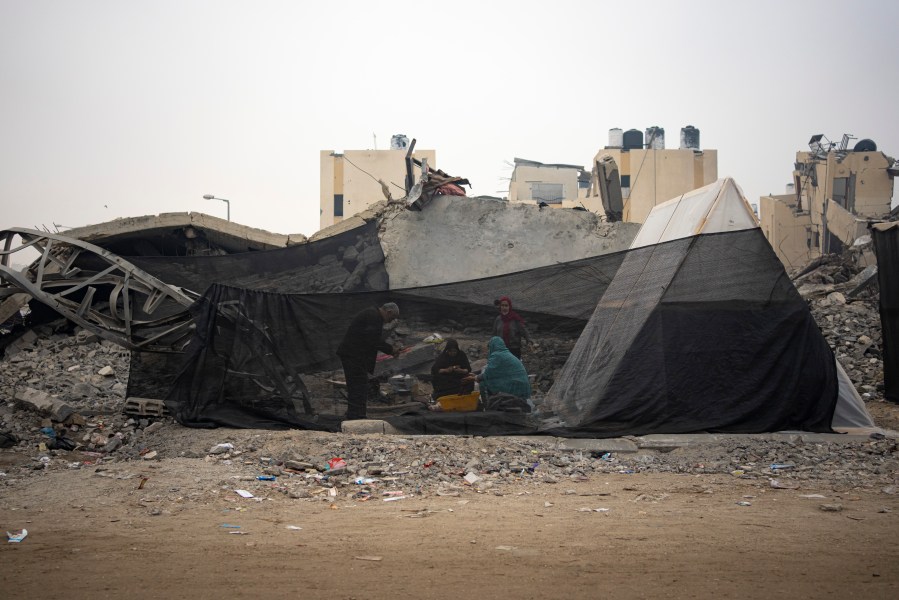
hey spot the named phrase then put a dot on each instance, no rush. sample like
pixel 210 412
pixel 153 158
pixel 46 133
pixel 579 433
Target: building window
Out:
pixel 338 205
pixel 551 193
pixel 840 190
pixel 626 181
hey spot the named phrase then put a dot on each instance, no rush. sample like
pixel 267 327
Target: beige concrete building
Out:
pixel 553 184
pixel 650 176
pixel 351 180
pixel 789 229
pixel 835 192
pixel 636 176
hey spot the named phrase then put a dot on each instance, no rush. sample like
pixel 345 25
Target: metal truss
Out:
pixel 120 302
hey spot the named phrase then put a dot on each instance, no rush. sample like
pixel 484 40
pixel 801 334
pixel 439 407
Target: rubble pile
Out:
pixel 842 295
pixel 450 465
pixel 60 386
pixel 314 466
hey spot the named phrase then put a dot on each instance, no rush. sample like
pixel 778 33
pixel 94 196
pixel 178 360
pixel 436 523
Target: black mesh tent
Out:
pixel 252 349
pixel 699 334
pixel 703 334
pixel 886 245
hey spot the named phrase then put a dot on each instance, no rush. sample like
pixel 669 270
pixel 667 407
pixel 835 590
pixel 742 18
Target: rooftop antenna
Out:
pixel 375 136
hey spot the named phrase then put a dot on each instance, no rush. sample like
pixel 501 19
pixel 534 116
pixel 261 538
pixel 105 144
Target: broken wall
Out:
pixel 459 239
pixel 791 234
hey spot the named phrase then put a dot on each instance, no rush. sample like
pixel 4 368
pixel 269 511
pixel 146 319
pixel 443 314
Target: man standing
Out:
pixel 358 352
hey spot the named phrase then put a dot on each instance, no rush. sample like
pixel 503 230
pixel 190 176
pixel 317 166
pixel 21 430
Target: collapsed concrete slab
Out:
pixel 458 239
pixel 174 234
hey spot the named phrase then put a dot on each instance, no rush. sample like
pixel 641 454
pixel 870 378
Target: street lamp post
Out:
pixel 225 200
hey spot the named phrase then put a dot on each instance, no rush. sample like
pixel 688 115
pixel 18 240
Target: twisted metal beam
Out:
pixel 117 303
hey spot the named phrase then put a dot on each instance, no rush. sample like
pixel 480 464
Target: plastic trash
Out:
pixel 336 463
pixel 16 536
pixel 243 493
pixel 266 478
pixel 744 503
pixel 778 466
pixel 61 443
pixel 221 448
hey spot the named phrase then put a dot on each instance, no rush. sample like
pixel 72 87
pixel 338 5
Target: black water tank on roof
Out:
pixel 689 138
pixel 633 139
pixel 864 145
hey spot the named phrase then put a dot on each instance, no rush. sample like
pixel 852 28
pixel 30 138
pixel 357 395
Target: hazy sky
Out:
pixel 114 108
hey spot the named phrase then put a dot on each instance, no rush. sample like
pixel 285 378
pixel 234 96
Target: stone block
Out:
pixel 368 426
pixel 26 340
pixel 417 359
pixel 614 445
pixel 43 403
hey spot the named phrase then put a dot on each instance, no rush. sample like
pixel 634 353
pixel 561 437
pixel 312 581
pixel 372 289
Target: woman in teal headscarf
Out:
pixel 504 373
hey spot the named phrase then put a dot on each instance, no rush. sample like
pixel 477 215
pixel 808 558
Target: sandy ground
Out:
pixel 105 534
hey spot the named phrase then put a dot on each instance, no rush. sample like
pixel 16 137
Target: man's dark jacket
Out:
pixel 363 339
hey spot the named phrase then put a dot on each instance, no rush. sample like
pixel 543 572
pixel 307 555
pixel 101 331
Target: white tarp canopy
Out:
pixel 716 208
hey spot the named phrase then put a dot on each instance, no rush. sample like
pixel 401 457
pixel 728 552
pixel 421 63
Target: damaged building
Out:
pixel 352 180
pixel 629 176
pixel 836 192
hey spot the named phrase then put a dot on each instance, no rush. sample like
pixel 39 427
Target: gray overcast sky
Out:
pixel 115 108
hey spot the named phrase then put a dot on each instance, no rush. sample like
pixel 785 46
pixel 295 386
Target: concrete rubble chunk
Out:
pixel 836 298
pixel 25 341
pixel 106 371
pixel 367 426
pixel 602 445
pixel 416 359
pixel 86 337
pixel 153 427
pixel 83 389
pixel 113 444
pixel 43 403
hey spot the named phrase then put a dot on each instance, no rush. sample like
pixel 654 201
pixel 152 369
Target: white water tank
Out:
pixel 399 142
pixel 791 188
pixel 616 137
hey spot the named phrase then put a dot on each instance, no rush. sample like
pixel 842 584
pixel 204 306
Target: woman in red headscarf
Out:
pixel 510 326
